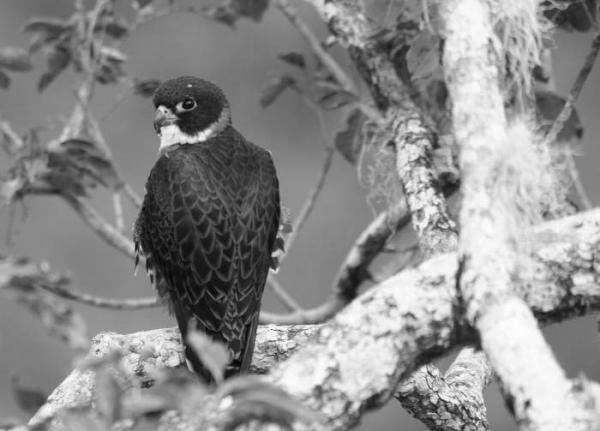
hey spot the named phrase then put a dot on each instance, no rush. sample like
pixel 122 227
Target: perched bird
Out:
pixel 209 220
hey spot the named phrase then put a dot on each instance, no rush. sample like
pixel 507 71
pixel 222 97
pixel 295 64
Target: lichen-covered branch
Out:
pixel 453 402
pixel 355 361
pixel 145 353
pixel 539 392
pixel 406 127
pixel 413 139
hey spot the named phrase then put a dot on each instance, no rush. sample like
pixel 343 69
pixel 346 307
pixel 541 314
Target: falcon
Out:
pixel 208 224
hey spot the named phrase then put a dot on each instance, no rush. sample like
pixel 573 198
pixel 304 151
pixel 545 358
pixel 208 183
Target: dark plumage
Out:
pixel 209 220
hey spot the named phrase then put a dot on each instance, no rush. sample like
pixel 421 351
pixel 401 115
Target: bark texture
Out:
pixel 538 391
pixel 413 140
pixel 398 325
pixel 406 126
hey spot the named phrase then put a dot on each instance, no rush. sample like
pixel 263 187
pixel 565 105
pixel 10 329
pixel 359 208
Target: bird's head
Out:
pixel 189 110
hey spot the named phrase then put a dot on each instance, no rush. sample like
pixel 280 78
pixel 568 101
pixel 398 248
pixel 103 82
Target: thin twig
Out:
pixel 310 201
pixel 284 297
pixel 131 194
pixel 353 272
pixel 565 114
pixel 314 43
pixel 315 191
pixel 110 234
pixel 118 207
pixel 574 176
pixel 96 301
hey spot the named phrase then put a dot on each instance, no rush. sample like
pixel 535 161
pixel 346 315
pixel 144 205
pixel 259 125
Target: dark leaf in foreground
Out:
pixel 15 59
pixel 146 88
pixel 349 141
pixel 214 355
pixel 4 80
pixel 274 88
pixel 58 60
pixel 293 58
pixel 28 399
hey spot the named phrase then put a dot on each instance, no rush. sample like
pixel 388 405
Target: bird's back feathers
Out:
pixel 208 226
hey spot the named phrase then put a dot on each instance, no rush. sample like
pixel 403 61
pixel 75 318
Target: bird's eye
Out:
pixel 186 105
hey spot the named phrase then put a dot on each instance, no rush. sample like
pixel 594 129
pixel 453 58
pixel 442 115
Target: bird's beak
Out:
pixel 163 117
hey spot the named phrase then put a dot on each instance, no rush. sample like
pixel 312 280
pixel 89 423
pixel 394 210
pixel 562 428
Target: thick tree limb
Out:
pixel 540 394
pixel 408 131
pixel 450 402
pixel 413 139
pixel 354 362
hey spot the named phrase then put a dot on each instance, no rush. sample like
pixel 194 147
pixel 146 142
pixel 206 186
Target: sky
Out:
pixel 240 61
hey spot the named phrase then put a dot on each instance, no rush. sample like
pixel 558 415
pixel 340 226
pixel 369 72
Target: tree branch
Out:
pixel 324 57
pixel 413 139
pixel 407 129
pixel 100 226
pixel 353 272
pixel 539 393
pixel 417 321
pixel 96 301
pixel 582 76
pixel 282 294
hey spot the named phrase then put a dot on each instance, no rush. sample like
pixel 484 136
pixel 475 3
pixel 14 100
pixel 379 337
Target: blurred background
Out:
pixel 241 61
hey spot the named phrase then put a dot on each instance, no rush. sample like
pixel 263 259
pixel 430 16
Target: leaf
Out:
pixel 549 106
pixel 213 355
pixel 113 54
pixel 349 141
pixel 4 80
pixel 336 99
pixel 253 9
pixel 15 59
pixel 83 162
pixel 29 400
pixel 146 88
pixel 46 24
pixel 423 59
pixel 274 88
pixel 108 394
pixel 571 16
pixel 58 60
pixel 111 65
pixel 293 58
pixel 114 27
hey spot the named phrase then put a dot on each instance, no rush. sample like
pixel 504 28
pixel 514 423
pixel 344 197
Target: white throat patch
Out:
pixel 171 134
